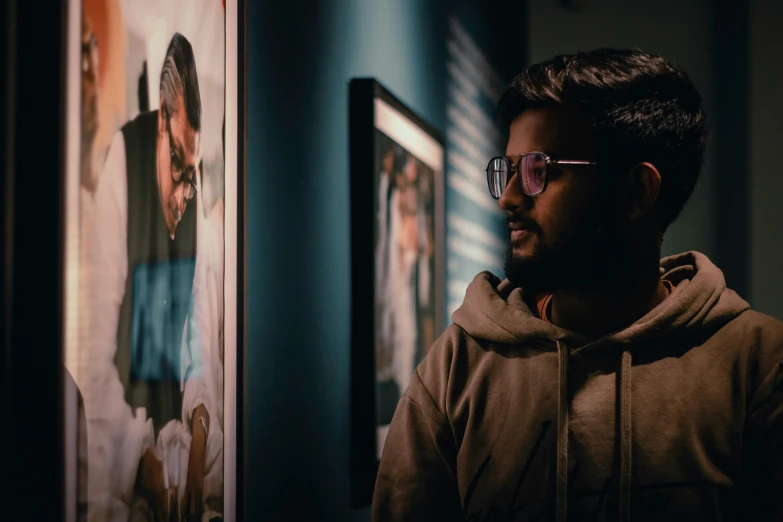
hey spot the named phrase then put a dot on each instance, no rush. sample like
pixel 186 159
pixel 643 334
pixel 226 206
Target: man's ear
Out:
pixel 642 188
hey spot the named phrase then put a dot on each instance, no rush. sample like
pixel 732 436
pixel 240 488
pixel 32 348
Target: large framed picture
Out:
pixel 397 226
pixel 154 244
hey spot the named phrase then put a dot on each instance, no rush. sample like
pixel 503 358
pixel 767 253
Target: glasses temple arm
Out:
pixel 570 162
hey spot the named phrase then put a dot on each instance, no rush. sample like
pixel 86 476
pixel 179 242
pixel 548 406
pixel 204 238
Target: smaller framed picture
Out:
pixel 397 226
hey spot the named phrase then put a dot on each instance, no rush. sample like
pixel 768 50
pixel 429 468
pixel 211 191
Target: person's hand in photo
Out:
pixel 150 483
pixel 193 501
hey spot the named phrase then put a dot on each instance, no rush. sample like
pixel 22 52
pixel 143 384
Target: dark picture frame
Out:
pixel 32 101
pixel 386 135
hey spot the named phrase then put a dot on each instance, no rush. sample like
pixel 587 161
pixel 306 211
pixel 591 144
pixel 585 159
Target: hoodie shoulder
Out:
pixel 763 322
pixel 455 360
pixel 435 372
pixel 762 332
pixel 763 337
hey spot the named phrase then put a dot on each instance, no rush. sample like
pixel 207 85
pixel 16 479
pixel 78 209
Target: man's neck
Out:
pixel 609 305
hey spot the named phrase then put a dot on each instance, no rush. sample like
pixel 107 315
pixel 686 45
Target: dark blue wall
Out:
pixel 301 58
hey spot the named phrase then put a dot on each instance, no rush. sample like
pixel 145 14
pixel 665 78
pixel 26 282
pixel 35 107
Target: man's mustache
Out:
pixel 525 221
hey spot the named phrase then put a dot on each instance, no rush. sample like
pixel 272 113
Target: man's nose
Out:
pixel 179 195
pixel 512 197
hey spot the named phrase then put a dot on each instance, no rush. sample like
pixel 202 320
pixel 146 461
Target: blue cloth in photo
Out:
pixel 160 305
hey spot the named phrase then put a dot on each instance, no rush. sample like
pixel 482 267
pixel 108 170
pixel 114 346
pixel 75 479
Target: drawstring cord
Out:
pixel 562 434
pixel 625 436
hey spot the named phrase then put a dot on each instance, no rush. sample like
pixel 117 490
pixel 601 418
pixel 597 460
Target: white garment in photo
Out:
pixel 117 436
pixel 401 298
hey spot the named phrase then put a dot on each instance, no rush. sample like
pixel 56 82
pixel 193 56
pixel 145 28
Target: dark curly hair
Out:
pixel 641 108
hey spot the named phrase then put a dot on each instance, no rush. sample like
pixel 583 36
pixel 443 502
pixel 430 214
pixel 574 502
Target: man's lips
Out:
pixel 520 230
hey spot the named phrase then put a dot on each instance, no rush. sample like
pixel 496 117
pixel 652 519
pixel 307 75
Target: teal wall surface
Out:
pixel 301 58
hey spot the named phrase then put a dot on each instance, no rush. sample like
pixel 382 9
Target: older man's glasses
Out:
pixel 532 170
pixel 187 176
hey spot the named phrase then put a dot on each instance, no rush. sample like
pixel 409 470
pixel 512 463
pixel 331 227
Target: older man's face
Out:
pixel 179 160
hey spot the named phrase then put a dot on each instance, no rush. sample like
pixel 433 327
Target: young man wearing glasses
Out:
pixel 598 381
pixel 143 264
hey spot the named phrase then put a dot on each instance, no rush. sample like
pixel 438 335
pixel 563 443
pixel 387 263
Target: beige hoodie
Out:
pixel 679 416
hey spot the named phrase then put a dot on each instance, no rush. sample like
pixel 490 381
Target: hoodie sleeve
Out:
pixel 763 469
pixel 417 479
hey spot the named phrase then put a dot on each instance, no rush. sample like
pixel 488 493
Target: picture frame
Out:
pixel 202 263
pixel 398 263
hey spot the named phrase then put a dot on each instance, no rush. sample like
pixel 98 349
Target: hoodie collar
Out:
pixel 495 310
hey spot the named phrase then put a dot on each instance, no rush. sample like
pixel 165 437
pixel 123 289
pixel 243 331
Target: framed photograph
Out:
pixel 397 226
pixel 153 322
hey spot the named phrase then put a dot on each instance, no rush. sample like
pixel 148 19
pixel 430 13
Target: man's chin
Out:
pixel 539 271
pixel 525 250
pixel 521 254
pixel 523 268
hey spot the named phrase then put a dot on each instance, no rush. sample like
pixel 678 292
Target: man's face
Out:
pixel 388 162
pixel 410 169
pixel 567 237
pixel 179 157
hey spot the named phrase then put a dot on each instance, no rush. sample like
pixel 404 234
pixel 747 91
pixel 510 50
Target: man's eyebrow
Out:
pixel 549 152
pixel 175 144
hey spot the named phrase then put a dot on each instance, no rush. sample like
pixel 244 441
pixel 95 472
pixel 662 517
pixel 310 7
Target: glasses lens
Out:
pixel 176 173
pixel 498 174
pixel 533 173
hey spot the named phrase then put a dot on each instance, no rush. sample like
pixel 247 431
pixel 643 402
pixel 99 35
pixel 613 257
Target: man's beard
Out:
pixel 588 257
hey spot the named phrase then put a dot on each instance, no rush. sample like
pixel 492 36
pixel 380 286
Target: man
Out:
pixel 143 265
pixel 597 382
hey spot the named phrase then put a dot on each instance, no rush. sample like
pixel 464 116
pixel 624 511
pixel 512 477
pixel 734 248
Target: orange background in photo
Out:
pixel 106 17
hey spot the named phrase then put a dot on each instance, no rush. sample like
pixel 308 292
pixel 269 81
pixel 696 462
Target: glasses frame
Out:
pixel 514 168
pixel 191 182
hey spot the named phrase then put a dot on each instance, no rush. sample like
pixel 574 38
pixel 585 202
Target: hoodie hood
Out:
pixel 495 310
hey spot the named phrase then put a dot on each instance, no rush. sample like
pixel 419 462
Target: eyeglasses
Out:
pixel 189 179
pixel 532 170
